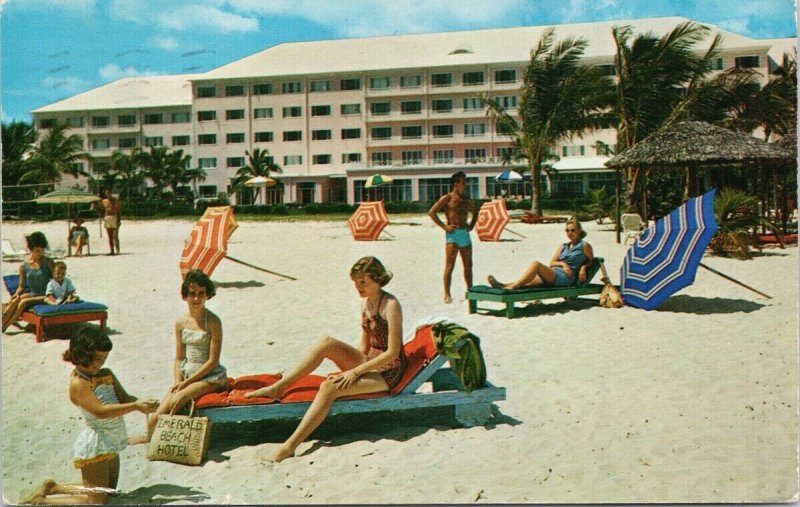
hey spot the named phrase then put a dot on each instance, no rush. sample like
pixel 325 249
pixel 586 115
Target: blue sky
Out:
pixel 53 49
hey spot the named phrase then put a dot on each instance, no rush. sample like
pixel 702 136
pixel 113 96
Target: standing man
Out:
pixel 112 213
pixel 456 205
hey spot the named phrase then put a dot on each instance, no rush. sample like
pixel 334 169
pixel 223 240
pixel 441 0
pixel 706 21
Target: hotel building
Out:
pixel 331 113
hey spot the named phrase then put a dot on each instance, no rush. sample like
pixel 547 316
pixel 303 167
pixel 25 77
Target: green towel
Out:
pixel 464 350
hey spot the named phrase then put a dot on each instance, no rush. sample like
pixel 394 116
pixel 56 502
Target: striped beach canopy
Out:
pixel 208 242
pixel 377 180
pixel 493 217
pixel 508 176
pixel 368 221
pixel 665 257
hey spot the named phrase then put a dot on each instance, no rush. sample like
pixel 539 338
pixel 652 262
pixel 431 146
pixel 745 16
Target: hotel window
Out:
pixel 292 112
pixel 602 149
pixel 349 158
pixel 441 79
pixel 47 123
pixel 206 115
pixel 350 109
pixel 442 131
pixel 320 135
pixel 716 64
pixel 320 110
pixel 101 167
pixel 380 83
pixel 507 101
pixel 235 162
pixel 262 112
pixel 293 87
pixel 321 86
pixel 124 119
pixel 101 144
pixel 97 121
pixel 746 62
pixel 474 129
pixel 293 160
pixel 182 117
pixel 234 114
pixel 382 132
pixel 207 190
pixel 181 140
pixel 262 89
pixel 411 107
pixel 207 139
pixel 509 153
pixel 410 81
pixel 380 108
pixel 505 76
pixel 293 135
pixel 321 159
pixel 206 91
pixel 474 104
pixel 75 122
pixel 443 156
pixel 127 142
pixel 153 118
pixel 382 158
pixel 607 69
pixel 350 84
pixel 351 133
pixel 151 142
pixel 207 163
pixel 442 105
pixel 236 137
pixel 412 132
pixel 573 151
pixel 472 155
pixel 263 137
pixel 473 78
pixel 76 167
pixel 412 157
pixel 234 91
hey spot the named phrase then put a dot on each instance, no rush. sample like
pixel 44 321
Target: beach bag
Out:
pixel 181 439
pixel 610 297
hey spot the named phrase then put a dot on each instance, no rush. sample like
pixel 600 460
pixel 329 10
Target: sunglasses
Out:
pixel 572 230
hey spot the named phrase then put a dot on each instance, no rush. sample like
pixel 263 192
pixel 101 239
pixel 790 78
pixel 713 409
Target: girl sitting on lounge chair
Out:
pixel 376 366
pixel 35 272
pixel 571 258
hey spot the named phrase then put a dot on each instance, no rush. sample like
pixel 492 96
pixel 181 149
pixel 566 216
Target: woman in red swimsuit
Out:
pixel 376 366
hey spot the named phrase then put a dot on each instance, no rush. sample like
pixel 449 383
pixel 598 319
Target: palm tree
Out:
pixel 17 137
pixel 55 154
pixel 559 99
pixel 196 174
pixel 127 167
pixel 177 167
pixel 259 163
pixel 155 168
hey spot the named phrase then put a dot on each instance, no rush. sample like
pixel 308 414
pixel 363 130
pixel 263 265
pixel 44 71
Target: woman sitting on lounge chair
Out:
pixel 35 272
pixel 376 366
pixel 571 258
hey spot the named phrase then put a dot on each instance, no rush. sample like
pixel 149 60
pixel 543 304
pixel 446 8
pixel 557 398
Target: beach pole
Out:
pixel 737 282
pixel 514 232
pixel 260 268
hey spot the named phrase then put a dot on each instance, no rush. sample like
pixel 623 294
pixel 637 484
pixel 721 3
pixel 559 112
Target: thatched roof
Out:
pixel 788 142
pixel 696 142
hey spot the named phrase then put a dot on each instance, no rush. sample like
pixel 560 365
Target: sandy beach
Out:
pixel 694 402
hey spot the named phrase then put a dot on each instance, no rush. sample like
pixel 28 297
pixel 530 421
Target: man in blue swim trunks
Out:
pixel 456 206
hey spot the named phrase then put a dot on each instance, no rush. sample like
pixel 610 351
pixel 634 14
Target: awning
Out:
pixel 583 165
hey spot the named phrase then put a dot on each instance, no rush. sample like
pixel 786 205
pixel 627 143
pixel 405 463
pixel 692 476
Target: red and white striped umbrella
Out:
pixel 208 242
pixel 492 219
pixel 368 221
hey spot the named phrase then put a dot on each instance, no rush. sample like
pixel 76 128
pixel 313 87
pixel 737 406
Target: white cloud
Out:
pixel 167 42
pixel 112 72
pixel 203 17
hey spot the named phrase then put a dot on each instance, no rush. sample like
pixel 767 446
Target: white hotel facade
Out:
pixel 334 112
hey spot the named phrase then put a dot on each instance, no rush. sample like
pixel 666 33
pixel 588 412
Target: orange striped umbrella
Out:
pixel 368 221
pixel 208 242
pixel 492 219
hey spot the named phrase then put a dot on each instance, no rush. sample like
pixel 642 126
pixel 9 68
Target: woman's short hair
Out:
pixel 371 267
pixel 35 239
pixel 574 221
pixel 197 277
pixel 84 345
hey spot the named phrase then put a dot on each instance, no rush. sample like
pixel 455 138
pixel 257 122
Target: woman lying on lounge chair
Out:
pixel 571 258
pixel 376 366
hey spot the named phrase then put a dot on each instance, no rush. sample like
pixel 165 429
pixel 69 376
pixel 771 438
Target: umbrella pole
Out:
pixel 259 268
pixel 514 232
pixel 388 234
pixel 737 282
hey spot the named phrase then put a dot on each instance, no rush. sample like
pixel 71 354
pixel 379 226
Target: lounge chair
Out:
pixel 632 226
pixel 425 364
pixel 532 218
pixel 12 254
pixel 45 315
pixel 511 296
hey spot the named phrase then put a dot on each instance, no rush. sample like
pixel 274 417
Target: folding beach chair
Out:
pixel 12 254
pixel 632 226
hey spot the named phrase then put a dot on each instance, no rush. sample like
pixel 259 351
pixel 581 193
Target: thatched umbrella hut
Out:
pixel 691 144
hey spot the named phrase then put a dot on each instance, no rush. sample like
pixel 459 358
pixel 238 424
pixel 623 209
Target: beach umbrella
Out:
pixel 508 176
pixel 492 219
pixel 368 221
pixel 376 180
pixel 67 196
pixel 665 257
pixel 260 182
pixel 208 242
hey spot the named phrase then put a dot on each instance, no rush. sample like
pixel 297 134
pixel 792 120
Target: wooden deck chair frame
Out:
pixel 511 296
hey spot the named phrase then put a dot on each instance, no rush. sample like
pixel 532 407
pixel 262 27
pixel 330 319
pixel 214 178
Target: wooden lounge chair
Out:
pixel 45 315
pixel 532 218
pixel 511 296
pixel 425 364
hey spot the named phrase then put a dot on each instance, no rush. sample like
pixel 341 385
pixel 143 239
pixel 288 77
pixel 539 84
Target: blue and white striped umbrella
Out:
pixel 665 257
pixel 508 176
